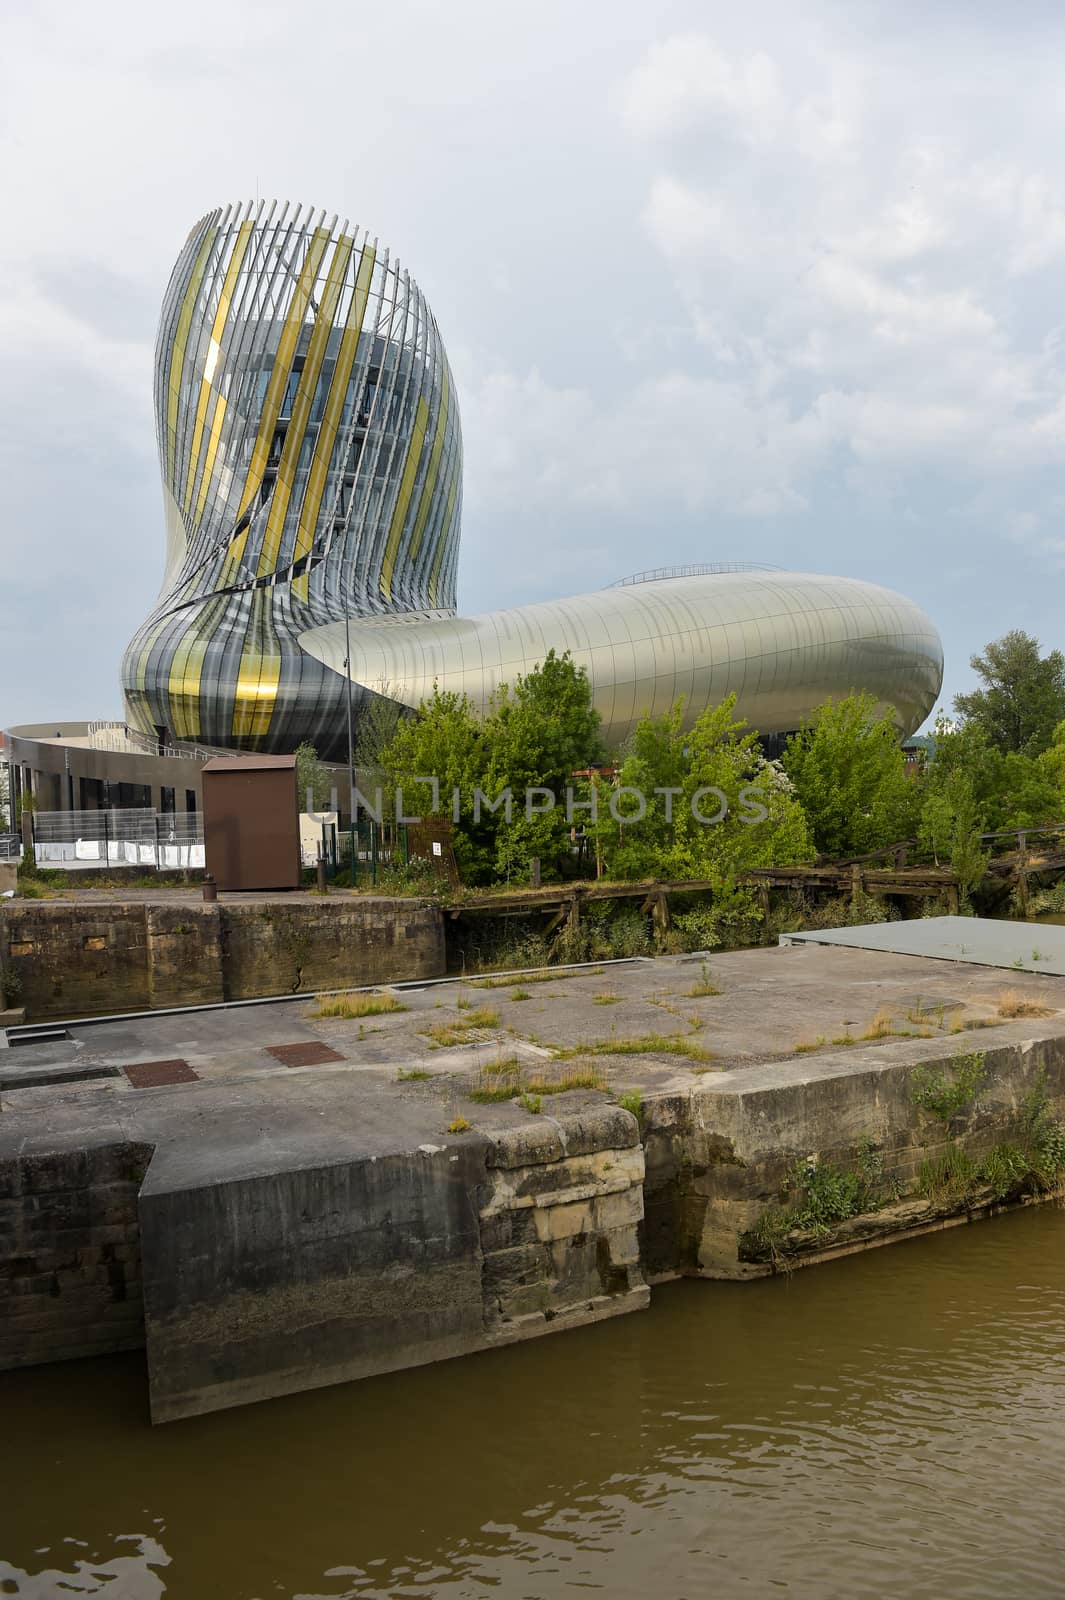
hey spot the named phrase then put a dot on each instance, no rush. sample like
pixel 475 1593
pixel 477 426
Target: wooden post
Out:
pixel 660 917
pixel 856 882
pixel 953 900
pixel 1022 872
pixel 534 872
pixel 1022 891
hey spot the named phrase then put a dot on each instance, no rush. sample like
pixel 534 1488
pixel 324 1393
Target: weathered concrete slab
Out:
pixel 982 941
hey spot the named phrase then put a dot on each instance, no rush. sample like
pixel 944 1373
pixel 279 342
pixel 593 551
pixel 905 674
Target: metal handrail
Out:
pixel 700 569
pixel 118 736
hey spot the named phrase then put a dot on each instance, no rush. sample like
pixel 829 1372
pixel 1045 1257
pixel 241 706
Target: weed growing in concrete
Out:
pixel 443 1034
pixel 605 998
pixel 809 1045
pixel 704 986
pixel 533 1103
pixel 505 1080
pixel 1033 1165
pixel 830 1194
pixel 1011 1004
pixel 520 994
pixel 949 1177
pixel 632 1100
pixel 881 1026
pixel 1044 1137
pixel 926 1016
pixel 947 1094
pixel 844 1038
pixel 489 1094
pixel 357 1005
pixel 548 1081
pixel 414 1075
pixel 505 1067
pixel 457 1125
pixel 647 1044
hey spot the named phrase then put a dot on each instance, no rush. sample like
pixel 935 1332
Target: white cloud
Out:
pixel 684 79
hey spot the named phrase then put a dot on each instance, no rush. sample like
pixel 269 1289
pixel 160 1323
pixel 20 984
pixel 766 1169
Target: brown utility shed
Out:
pixel 251 830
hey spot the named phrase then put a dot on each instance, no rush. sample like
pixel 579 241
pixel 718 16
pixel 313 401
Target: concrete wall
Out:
pixel 316 1275
pixel 719 1156
pixel 70 1278
pixel 84 960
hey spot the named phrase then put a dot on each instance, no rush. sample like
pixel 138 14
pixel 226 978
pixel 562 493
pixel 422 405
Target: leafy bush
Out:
pixel 830 1194
pixel 947 1094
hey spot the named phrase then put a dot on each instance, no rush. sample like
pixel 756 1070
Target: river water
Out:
pixel 892 1424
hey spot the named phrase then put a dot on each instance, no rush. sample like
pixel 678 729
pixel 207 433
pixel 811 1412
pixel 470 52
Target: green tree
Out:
pixel 1009 789
pixel 950 828
pixel 851 779
pixel 538 734
pixel 720 773
pixel 444 740
pixel 1023 696
pixel 535 735
pixel 313 776
pixel 376 721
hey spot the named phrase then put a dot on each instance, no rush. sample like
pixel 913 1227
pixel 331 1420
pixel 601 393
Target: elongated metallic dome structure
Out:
pixel 782 642
pixel 311 456
pixel 312 471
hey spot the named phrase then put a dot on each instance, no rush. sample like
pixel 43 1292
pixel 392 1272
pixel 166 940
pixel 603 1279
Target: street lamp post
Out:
pixel 351 743
pixel 351 737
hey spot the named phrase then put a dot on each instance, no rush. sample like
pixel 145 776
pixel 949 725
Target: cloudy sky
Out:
pixel 718 282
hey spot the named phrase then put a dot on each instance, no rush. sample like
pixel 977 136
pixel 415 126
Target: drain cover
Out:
pixel 308 1054
pixel 157 1074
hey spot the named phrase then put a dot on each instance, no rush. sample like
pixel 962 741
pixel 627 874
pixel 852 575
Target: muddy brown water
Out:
pixel 892 1424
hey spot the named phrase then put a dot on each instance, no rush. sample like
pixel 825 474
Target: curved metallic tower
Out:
pixel 311 455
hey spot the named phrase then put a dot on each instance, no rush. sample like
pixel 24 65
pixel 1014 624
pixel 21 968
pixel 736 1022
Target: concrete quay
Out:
pixel 270 1199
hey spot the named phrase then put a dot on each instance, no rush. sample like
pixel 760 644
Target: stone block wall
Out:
pixel 70 1259
pixel 183 951
pixel 76 960
pixel 274 948
pixel 86 960
pixel 560 1210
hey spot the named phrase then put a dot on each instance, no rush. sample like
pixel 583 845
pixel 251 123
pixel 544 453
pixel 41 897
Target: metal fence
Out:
pixel 95 840
pixel 10 847
pixel 374 846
